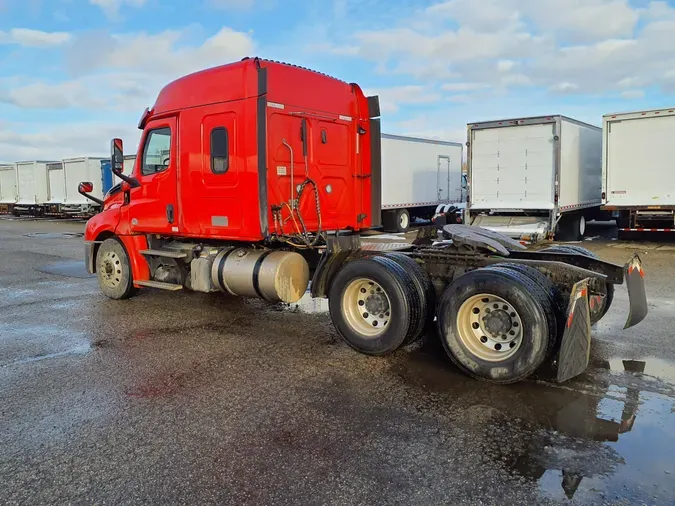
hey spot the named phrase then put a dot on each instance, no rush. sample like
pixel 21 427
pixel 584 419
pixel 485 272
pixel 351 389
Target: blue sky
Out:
pixel 74 73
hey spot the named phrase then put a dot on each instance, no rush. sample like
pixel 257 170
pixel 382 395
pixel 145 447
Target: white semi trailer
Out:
pixel 638 177
pixel 77 170
pixel 418 176
pixel 32 182
pixel 534 178
pixel 8 193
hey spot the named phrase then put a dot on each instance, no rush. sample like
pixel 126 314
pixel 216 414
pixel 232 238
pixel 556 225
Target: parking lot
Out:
pixel 204 398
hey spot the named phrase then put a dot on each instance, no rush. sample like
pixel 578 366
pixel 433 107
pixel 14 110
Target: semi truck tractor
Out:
pixel 258 178
pixel 534 178
pixel 638 180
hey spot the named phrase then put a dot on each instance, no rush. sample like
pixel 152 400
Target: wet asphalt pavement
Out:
pixel 188 398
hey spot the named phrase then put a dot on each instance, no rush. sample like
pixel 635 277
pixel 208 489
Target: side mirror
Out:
pixel 117 162
pixel 117 156
pixel 85 188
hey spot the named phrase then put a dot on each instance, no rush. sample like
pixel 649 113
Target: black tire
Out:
pixel 402 220
pixel 425 290
pixel 555 297
pixel 568 228
pixel 400 289
pixel 597 312
pixel 527 298
pixel 113 270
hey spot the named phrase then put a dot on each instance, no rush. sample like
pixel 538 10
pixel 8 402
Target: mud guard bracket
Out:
pixel 637 295
pixel 575 348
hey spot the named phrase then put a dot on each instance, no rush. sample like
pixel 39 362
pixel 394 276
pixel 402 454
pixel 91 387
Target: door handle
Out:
pixel 169 213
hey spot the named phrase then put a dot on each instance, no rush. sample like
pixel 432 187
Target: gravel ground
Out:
pixel 203 398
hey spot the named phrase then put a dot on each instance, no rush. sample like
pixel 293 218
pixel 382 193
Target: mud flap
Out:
pixel 635 282
pixel 575 348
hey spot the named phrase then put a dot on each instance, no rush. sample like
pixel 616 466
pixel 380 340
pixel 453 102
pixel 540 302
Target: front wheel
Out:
pixel 495 324
pixel 113 270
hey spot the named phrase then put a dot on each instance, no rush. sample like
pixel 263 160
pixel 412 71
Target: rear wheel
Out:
pixel 113 270
pixel 495 324
pixel 603 293
pixel 558 302
pixel 571 227
pixel 375 305
pixel 402 220
pixel 425 290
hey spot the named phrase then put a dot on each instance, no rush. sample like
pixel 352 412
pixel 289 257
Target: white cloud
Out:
pixel 165 54
pixel 111 8
pixel 64 140
pixel 564 46
pixel 392 98
pixel 633 94
pixel 34 38
pixel 51 96
pixel 464 86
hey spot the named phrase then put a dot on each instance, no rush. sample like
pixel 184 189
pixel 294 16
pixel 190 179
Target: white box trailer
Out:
pixel 56 184
pixel 77 170
pixel 8 194
pixel 638 170
pixel 534 178
pixel 32 186
pixel 418 176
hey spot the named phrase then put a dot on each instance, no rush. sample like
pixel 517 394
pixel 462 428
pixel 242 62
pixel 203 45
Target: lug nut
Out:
pixel 483 339
pixel 498 346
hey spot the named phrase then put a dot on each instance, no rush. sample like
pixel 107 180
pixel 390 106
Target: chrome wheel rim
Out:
pixel 110 268
pixel 582 226
pixel 489 327
pixel 404 221
pixel 366 307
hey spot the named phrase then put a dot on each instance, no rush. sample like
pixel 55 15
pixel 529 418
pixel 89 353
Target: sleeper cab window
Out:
pixel 220 159
pixel 157 151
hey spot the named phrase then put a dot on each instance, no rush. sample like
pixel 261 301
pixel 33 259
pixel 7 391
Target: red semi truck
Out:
pixel 256 178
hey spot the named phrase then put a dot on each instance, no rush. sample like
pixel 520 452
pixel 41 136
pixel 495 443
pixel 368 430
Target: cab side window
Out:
pixel 157 151
pixel 220 160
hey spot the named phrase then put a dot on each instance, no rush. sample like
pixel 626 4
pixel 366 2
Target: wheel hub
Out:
pixel 490 327
pixel 497 322
pixel 377 303
pixel 366 307
pixel 111 269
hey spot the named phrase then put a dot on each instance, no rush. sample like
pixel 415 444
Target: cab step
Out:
pixel 166 253
pixel 162 286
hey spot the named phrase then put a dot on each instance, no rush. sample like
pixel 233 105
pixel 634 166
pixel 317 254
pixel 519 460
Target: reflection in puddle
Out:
pixel 618 445
pixel 605 436
pixel 651 366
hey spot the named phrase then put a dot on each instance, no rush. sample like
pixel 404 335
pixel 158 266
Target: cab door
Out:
pixel 153 207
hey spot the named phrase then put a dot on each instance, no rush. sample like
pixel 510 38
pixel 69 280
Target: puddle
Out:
pixel 71 268
pixel 608 435
pixel 55 235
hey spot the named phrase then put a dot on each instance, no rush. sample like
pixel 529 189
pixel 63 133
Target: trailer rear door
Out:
pixel 57 183
pixel 513 167
pixel 640 167
pixel 7 184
